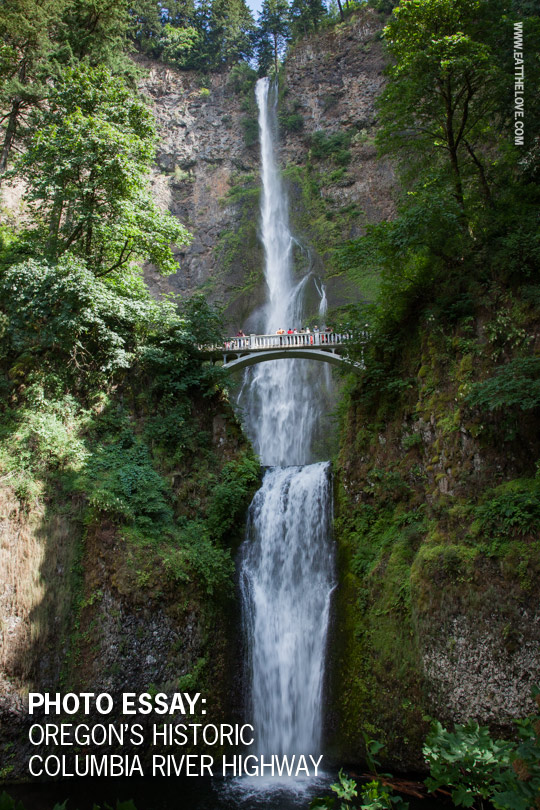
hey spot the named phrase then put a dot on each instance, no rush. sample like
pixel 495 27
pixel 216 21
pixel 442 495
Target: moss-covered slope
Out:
pixel 437 526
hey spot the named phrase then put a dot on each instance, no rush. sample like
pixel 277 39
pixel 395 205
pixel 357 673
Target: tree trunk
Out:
pixel 10 134
pixel 482 175
pixel 458 185
pixel 452 151
pixel 54 226
pixel 341 14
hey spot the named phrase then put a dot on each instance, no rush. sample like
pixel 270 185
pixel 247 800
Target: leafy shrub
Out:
pixel 63 317
pixel 213 565
pixel 231 495
pixel 292 122
pixel 374 795
pixel 467 760
pixel 477 768
pixel 251 131
pixel 510 510
pixel 520 785
pixel 179 45
pixel 412 440
pixel 46 429
pixel 120 479
pixel 333 147
pixel 242 79
pixel 514 385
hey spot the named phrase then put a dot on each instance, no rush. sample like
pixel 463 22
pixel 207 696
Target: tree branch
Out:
pixel 120 261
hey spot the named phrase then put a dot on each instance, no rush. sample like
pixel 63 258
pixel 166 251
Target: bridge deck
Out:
pixel 242 351
pixel 254 343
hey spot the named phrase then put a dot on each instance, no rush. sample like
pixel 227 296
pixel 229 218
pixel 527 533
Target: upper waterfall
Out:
pixel 280 411
pixel 276 235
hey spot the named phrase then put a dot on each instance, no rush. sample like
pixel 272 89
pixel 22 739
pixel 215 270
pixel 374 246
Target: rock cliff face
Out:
pixel 207 174
pixel 201 151
pixel 333 81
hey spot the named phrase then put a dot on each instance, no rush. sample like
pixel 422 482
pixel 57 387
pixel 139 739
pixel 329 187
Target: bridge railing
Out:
pixel 304 339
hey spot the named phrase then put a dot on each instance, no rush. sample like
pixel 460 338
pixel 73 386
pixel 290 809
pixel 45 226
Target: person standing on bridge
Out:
pixel 240 334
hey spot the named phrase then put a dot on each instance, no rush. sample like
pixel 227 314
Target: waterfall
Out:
pixel 286 587
pixel 280 400
pixel 286 571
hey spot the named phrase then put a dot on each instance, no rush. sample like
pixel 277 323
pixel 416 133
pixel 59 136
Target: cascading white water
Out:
pixel 281 408
pixel 286 587
pixel 287 558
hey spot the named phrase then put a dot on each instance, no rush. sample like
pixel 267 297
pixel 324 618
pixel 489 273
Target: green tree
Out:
pixel 97 30
pixel 231 29
pixel 306 16
pixel 442 94
pixel 86 167
pixel 179 46
pixel 29 35
pixel 272 35
pixel 150 18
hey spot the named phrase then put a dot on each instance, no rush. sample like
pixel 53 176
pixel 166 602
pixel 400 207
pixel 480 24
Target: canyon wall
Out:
pixel 208 164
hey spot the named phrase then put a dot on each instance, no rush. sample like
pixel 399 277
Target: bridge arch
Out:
pixel 251 359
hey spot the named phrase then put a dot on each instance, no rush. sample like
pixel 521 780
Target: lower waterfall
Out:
pixel 286 583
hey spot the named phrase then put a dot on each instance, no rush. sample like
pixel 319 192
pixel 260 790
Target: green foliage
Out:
pixel 306 16
pixel 467 760
pixel 7 803
pixel 477 768
pixel 520 786
pixel 442 88
pixel 205 325
pixel 242 79
pixel 39 39
pixel 119 479
pixel 29 33
pixel 202 36
pixel 45 431
pixel 63 317
pixel 516 385
pixel 198 559
pixel 191 680
pixel 179 44
pixel 66 339
pixel 467 214
pixel 333 146
pixel 231 495
pixel 272 35
pixel 230 32
pixel 251 131
pixel 87 169
pixel 291 120
pixel 509 511
pixel 374 795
